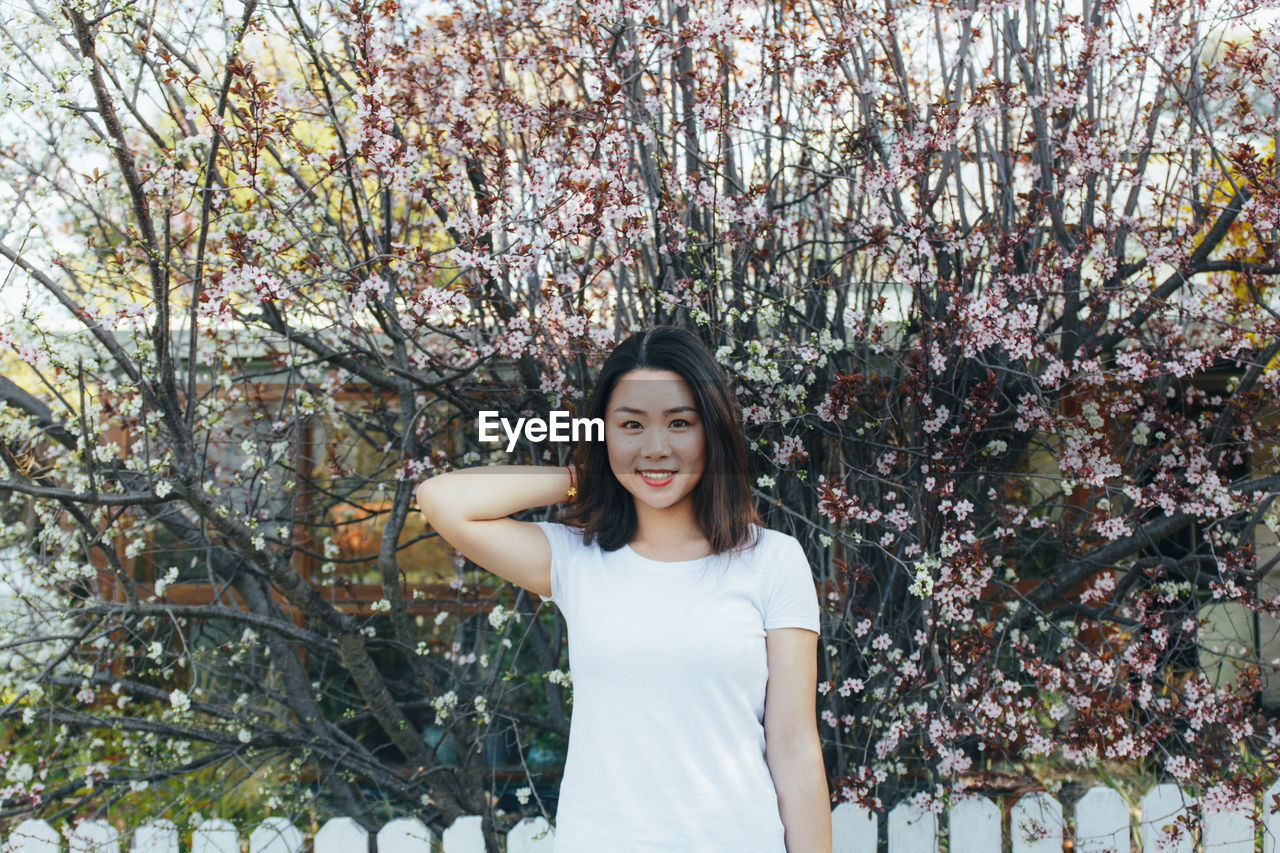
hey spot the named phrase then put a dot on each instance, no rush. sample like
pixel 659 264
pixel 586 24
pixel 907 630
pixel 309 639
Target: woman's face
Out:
pixel 655 438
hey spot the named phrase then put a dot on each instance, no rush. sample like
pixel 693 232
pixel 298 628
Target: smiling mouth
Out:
pixel 656 478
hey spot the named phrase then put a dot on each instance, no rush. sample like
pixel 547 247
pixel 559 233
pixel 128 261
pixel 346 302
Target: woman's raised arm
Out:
pixel 470 509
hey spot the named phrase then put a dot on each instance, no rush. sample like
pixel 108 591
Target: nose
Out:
pixel 656 444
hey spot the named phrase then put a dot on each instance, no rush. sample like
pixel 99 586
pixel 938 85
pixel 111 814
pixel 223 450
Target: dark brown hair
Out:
pixel 722 497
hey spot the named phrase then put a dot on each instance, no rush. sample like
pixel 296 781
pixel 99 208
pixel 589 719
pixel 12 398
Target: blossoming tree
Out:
pixel 993 279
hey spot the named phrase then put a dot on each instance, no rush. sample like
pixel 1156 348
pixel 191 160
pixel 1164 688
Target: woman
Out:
pixel 692 630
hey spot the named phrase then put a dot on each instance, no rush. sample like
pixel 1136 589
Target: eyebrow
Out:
pixel 632 411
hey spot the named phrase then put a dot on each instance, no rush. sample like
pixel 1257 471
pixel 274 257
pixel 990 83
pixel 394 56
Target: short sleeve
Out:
pixel 564 542
pixel 792 600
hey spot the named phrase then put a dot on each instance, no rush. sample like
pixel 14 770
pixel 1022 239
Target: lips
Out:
pixel 656 477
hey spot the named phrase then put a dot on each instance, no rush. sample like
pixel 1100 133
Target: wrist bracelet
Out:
pixel 573 490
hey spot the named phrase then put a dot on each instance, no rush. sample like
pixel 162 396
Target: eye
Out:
pixel 680 423
pixel 631 425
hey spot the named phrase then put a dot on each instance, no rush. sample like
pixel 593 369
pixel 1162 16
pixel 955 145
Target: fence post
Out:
pixel 1271 819
pixel 912 829
pixel 215 836
pixel 94 836
pixel 342 835
pixel 464 835
pixel 33 836
pixel 155 836
pixel 404 835
pixel 854 829
pixel 1228 830
pixel 531 835
pixel 1035 824
pixel 1102 822
pixel 275 835
pixel 975 825
pixel 1162 828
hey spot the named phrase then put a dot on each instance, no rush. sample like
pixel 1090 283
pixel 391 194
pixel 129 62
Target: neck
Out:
pixel 672 525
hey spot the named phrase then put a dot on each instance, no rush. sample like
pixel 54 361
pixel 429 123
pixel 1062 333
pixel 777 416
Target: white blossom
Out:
pixel 180 701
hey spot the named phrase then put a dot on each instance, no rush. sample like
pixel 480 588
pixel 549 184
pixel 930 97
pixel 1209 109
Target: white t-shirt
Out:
pixel 668 663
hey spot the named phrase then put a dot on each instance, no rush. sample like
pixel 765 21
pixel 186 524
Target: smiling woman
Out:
pixel 694 690
pixel 655 440
pixel 673 439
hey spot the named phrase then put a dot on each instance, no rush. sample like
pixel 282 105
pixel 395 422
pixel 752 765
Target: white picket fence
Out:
pixel 1036 825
